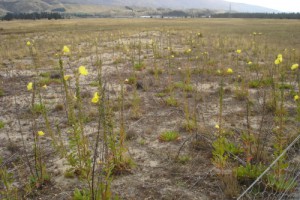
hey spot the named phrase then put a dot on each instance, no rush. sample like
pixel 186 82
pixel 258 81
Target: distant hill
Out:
pixel 26 6
pixel 178 4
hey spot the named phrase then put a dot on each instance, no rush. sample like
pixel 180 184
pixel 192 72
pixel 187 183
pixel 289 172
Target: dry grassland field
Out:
pixel 149 109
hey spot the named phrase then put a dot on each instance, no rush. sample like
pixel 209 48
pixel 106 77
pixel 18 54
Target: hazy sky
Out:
pixel 281 5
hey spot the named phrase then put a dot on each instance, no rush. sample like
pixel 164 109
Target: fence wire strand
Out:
pixel 287 187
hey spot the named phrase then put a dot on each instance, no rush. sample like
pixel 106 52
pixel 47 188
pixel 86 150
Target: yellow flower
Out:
pixel 219 71
pixel 296 98
pixel 217 126
pixel 229 71
pixel 249 63
pixel 45 87
pixel 67 77
pixel 82 70
pixel 172 56
pixel 41 133
pixel 28 43
pixel 294 66
pixel 95 99
pixel 277 61
pixel 29 86
pixel 239 51
pixel 66 49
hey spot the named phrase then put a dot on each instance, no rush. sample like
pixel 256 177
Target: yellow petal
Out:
pixel 67 77
pixel 239 51
pixel 82 70
pixel 29 86
pixel 28 43
pixel 296 98
pixel 95 99
pixel 229 71
pixel 294 66
pixel 217 126
pixel 41 133
pixel 66 49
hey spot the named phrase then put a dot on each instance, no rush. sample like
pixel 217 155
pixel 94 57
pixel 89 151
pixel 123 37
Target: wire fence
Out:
pixel 272 185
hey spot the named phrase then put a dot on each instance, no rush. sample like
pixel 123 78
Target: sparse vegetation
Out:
pixel 86 103
pixel 168 136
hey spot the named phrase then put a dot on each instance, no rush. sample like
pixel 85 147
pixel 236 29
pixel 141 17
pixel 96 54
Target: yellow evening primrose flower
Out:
pixel 41 133
pixel 95 99
pixel 296 98
pixel 66 49
pixel 217 126
pixel 279 57
pixel 294 66
pixel 28 43
pixel 249 63
pixel 82 70
pixel 229 71
pixel 277 61
pixel 67 77
pixel 239 51
pixel 29 86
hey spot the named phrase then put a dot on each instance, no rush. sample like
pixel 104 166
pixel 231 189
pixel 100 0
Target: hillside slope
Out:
pixel 48 5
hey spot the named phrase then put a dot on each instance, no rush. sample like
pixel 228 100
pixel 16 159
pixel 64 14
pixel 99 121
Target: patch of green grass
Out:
pixel 139 66
pixel 45 74
pixel 183 159
pixel 161 94
pixel 132 80
pixel 38 108
pixel 48 81
pixel 171 101
pixel 260 83
pixel 168 136
pixel 184 86
pixel 286 86
pixel 190 125
pixel 2 124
